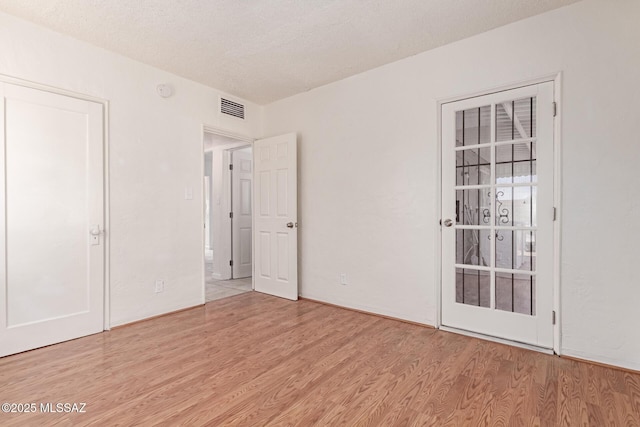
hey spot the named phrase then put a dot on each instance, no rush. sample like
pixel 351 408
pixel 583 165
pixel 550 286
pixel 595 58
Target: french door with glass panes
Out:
pixel 497 214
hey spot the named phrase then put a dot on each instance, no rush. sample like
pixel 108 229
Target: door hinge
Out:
pixel 230 214
pixel 553 317
pixel 230 167
pixel 555 213
pixel 231 263
pixel 555 109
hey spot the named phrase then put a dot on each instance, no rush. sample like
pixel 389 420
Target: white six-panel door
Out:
pixel 497 213
pixel 276 227
pixel 51 201
pixel 241 207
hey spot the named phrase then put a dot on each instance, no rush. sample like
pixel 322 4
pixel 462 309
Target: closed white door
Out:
pixel 498 213
pixel 276 226
pixel 207 212
pixel 241 221
pixel 51 218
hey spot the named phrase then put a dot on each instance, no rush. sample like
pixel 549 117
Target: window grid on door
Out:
pixel 496 185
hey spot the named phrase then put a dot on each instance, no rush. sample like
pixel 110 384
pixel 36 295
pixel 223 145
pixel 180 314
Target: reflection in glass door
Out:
pixel 497 163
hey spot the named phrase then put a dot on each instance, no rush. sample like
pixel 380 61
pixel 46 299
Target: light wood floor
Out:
pixel 256 360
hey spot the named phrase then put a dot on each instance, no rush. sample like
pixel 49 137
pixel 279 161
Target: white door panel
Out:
pixel 276 232
pixel 242 221
pixel 497 210
pixel 207 212
pixel 51 196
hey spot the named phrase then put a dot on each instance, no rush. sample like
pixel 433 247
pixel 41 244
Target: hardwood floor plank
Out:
pixel 254 360
pixel 548 403
pixel 633 385
pixel 626 414
pixel 595 417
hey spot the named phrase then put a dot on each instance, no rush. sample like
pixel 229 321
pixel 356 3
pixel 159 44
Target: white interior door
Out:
pixel 497 213
pixel 241 221
pixel 51 201
pixel 207 212
pixel 276 226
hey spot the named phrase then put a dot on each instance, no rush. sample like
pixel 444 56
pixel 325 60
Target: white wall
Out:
pixel 368 171
pixel 155 152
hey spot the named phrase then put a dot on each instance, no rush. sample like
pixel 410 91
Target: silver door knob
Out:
pixel 290 224
pixel 447 223
pixel 95 230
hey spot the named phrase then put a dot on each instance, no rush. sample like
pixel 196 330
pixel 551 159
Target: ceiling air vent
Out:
pixel 231 108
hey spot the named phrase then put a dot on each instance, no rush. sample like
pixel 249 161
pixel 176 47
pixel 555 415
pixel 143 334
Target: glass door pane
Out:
pixel 473 206
pixel 515 205
pixel 509 197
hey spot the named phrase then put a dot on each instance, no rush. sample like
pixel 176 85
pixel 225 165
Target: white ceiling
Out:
pixel 264 50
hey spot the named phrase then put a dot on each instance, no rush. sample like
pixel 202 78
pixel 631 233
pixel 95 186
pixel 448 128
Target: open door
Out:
pixel 276 216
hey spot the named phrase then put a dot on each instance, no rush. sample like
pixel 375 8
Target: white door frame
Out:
pixel 249 143
pixel 105 141
pixel 556 78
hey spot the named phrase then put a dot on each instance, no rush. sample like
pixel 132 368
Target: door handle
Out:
pixel 290 224
pixel 95 233
pixel 447 223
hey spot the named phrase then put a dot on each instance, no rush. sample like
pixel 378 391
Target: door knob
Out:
pixel 447 223
pixel 95 230
pixel 290 224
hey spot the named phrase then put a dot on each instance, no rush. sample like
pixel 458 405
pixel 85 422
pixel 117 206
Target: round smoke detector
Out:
pixel 164 90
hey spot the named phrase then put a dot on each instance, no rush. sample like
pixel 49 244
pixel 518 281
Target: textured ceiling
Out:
pixel 264 50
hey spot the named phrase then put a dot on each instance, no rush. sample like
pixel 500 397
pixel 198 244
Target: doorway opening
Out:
pixel 228 220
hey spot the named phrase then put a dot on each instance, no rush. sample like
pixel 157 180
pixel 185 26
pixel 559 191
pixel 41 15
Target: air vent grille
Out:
pixel 231 108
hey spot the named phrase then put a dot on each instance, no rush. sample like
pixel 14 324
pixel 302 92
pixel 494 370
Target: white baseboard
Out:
pixel 368 309
pixel 604 360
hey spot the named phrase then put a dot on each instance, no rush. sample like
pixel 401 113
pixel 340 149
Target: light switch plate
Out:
pixel 159 286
